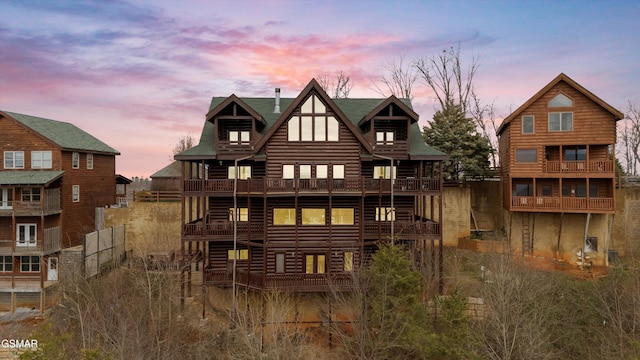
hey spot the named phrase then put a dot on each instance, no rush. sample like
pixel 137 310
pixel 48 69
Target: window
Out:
pixel 546 190
pixel 243 214
pixel 313 217
pixel 575 154
pixel 315 264
pixel 305 171
pixel 383 172
pixel 338 171
pixel 29 264
pixel 242 254
pixel 385 137
pixel 342 216
pixel 6 263
pixel 288 171
pixel 581 190
pixel 26 235
pixel 526 155
pixel 347 260
pixel 561 121
pixel 89 161
pixel 593 190
pixel 244 172
pixel 284 216
pixel 560 100
pixel 14 159
pixel 385 214
pixel 313 124
pixel 41 159
pixel 566 190
pixel 75 193
pixel 322 171
pixel 524 190
pixel 6 198
pixel 30 194
pixel 280 263
pixel 75 160
pixel 527 124
pixel 239 137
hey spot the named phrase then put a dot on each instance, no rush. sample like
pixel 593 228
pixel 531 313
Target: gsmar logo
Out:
pixel 19 343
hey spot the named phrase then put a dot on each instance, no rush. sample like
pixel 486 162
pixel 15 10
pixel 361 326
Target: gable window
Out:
pixel 385 214
pixel 526 155
pixel 30 194
pixel 41 159
pixel 243 214
pixel 383 172
pixel 75 160
pixel 89 161
pixel 75 193
pixel 284 216
pixel 241 254
pixel 560 100
pixel 313 217
pixel 26 234
pixel 315 264
pixel 239 137
pixel 527 124
pixel 385 137
pixel 313 124
pixel 14 159
pixel 29 264
pixel 561 121
pixel 347 260
pixel 6 263
pixel 244 172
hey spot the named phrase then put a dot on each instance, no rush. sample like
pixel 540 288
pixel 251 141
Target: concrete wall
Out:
pixel 457 214
pixel 486 203
pixel 626 224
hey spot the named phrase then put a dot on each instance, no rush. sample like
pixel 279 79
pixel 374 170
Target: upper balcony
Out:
pixel 348 186
pixel 562 204
pixel 600 167
pixel 47 205
pixel 47 242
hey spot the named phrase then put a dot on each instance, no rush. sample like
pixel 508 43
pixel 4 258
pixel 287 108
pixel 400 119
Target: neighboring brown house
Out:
pixel 305 195
pixel 52 178
pixel 557 156
pixel 168 178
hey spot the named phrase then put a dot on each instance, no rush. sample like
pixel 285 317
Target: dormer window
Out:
pixel 239 137
pixel 560 100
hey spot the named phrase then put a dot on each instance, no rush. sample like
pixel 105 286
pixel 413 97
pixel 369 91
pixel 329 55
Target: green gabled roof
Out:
pixel 355 110
pixel 66 135
pixel 170 171
pixel 20 177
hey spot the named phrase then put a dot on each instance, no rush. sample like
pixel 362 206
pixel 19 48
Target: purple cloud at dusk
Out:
pixel 139 74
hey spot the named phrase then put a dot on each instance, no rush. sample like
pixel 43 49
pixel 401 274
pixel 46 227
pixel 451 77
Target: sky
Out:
pixel 140 74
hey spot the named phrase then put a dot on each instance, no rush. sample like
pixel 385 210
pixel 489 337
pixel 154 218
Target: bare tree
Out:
pixel 184 142
pixel 397 78
pixel 477 111
pixel 630 139
pixel 337 86
pixel 449 81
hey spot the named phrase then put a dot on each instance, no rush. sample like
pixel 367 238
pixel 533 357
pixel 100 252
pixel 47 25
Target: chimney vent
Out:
pixel 276 109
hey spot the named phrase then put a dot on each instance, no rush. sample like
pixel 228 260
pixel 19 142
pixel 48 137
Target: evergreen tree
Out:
pixel 455 134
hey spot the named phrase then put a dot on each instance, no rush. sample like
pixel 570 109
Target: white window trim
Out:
pixel 75 193
pixel 31 264
pixel 561 129
pixel 75 160
pixel 28 241
pixel 90 161
pixel 41 161
pixel 13 165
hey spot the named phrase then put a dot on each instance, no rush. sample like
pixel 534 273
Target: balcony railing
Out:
pixel 289 282
pixel 278 185
pixel 561 203
pixel 223 228
pixel 604 166
pixel 49 203
pixel 50 243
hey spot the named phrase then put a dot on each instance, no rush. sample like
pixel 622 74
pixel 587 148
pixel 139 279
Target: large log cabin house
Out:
pixel 53 176
pixel 556 156
pixel 296 200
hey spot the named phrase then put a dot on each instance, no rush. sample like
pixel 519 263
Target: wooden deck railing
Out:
pixel 157 196
pixel 289 282
pixel 278 185
pixel 603 166
pixel 50 242
pixel 561 203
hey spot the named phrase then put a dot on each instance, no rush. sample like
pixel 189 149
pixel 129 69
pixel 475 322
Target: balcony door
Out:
pixel 6 198
pixel 52 269
pixel 26 235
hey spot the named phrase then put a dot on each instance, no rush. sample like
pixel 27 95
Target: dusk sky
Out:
pixel 139 74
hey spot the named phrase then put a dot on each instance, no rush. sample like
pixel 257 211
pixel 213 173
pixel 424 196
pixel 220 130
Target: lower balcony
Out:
pixel 285 282
pixel 562 204
pixel 50 244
